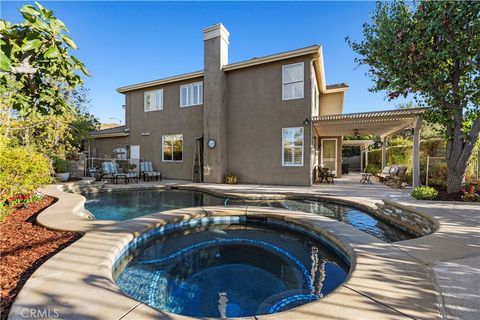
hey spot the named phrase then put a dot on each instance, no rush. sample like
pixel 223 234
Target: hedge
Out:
pixel 22 170
pixel 402 155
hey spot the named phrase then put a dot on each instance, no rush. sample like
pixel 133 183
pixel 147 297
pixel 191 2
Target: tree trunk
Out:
pixel 459 150
pixel 455 176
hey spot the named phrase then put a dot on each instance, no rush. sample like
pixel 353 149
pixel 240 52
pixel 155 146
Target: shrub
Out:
pixel 4 211
pixel 373 169
pixel 424 193
pixel 127 167
pixel 437 174
pixel 60 165
pixel 231 178
pixel 22 170
pixel 470 194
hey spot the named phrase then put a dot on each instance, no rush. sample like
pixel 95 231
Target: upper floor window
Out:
pixel 172 147
pixel 191 94
pixel 292 147
pixel 292 81
pixel 153 100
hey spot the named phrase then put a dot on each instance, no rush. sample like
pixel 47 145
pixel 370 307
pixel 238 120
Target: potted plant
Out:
pixel 128 167
pixel 231 178
pixel 61 167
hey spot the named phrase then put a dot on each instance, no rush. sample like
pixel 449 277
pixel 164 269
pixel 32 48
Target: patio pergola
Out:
pixel 380 123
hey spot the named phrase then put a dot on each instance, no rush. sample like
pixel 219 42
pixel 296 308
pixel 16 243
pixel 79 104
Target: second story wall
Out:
pixel 256 114
pixel 173 119
pixel 331 103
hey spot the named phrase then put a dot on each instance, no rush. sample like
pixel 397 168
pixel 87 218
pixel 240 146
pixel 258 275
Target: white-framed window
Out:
pixel 292 81
pixel 292 147
pixel 153 100
pixel 191 94
pixel 120 153
pixel 172 148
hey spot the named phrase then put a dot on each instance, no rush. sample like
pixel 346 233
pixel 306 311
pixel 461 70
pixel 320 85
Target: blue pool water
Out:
pixel 253 268
pixel 122 205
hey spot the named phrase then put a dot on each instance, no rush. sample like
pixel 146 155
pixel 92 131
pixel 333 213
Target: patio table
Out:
pixel 366 178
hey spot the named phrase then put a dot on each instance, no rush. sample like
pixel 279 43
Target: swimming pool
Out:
pixel 232 269
pixel 123 205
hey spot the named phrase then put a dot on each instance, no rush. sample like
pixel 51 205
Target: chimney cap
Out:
pixel 217 30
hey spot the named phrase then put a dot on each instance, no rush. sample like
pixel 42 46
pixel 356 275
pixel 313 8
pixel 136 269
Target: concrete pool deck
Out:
pixel 433 277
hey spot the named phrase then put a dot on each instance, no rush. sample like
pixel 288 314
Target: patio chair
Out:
pixel 148 172
pixel 385 172
pixel 399 176
pixel 388 173
pixel 110 171
pixel 323 174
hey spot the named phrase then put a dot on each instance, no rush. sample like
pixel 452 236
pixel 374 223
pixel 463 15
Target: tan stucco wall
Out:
pixel 215 110
pixel 331 103
pixel 256 115
pixel 171 120
pixel 104 146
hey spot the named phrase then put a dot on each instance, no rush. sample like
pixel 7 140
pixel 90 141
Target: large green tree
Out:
pixel 42 99
pixel 431 51
pixel 37 70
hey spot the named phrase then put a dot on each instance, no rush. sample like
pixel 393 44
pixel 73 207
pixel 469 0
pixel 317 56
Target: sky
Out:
pixel 124 43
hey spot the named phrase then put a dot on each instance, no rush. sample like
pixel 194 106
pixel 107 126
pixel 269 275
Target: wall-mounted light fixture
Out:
pixel 409 132
pixel 306 121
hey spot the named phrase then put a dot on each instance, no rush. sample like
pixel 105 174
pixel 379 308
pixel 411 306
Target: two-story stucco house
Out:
pixel 251 118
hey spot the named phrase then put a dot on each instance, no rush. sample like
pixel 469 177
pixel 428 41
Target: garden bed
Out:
pixel 25 246
pixel 444 196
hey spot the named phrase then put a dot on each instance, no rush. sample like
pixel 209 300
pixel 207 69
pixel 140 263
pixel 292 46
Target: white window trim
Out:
pixel 122 154
pixel 145 100
pixel 163 140
pixel 336 152
pixel 191 85
pixel 289 82
pixel 303 149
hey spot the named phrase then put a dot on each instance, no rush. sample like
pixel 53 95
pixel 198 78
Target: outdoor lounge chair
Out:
pixel 391 172
pixel 147 171
pixel 385 172
pixel 398 176
pixel 110 171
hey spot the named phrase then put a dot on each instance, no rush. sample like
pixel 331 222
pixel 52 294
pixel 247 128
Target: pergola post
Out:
pixel 361 159
pixel 366 155
pixel 416 152
pixel 384 152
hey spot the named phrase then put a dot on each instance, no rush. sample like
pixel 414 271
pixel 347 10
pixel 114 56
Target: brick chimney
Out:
pixel 215 41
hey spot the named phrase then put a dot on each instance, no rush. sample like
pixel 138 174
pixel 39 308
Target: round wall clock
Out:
pixel 211 143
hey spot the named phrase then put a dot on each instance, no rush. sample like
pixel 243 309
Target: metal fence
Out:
pixel 474 163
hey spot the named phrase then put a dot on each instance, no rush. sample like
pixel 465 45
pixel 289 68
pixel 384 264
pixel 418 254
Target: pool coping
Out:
pixel 387 280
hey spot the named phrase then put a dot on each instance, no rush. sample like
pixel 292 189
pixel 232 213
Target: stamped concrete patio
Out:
pixel 431 277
